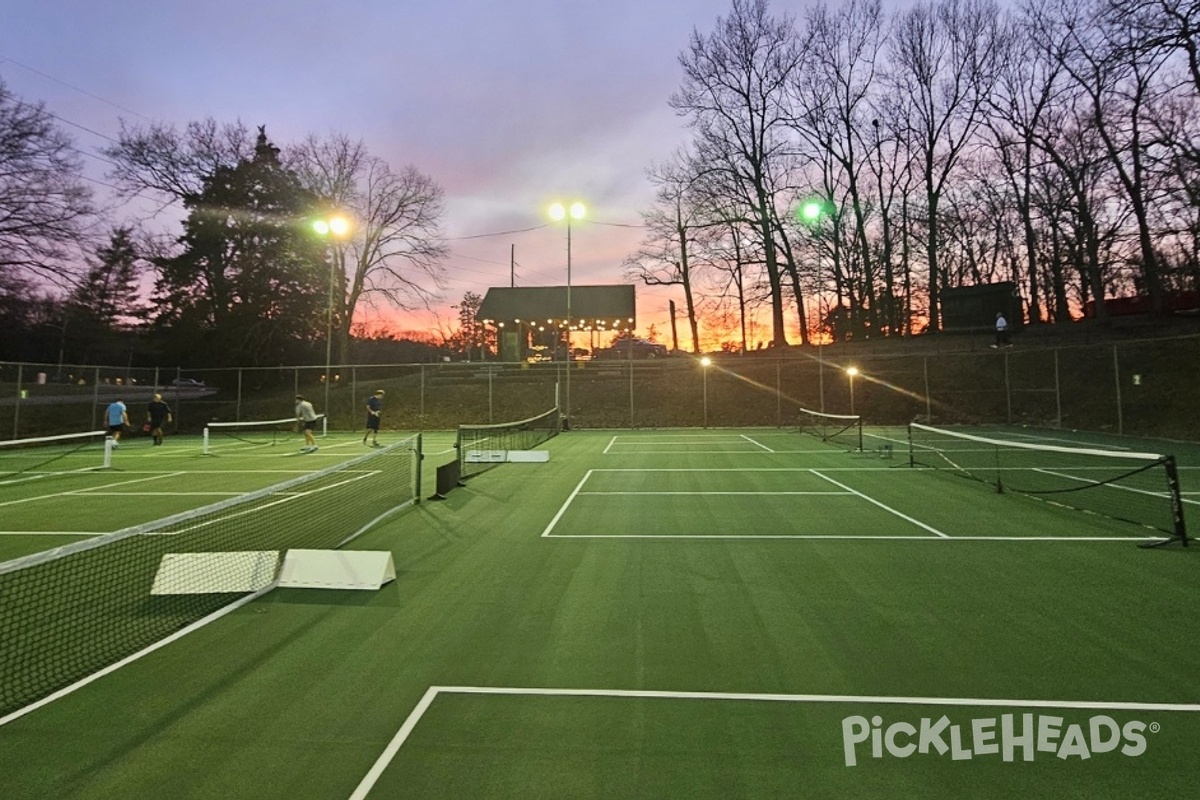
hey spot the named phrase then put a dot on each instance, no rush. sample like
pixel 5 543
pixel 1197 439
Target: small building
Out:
pixel 972 309
pixel 532 322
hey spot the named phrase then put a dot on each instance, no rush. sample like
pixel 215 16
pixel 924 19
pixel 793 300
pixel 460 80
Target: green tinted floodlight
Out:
pixel 336 225
pixel 811 210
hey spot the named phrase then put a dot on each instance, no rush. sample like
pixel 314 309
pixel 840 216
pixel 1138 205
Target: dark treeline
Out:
pixel 843 170
pixel 848 166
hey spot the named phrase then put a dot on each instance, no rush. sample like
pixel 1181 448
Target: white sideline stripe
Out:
pixel 410 723
pixel 884 506
pixel 608 446
pixel 393 747
pixel 691 451
pixel 852 538
pixel 563 509
pixel 760 444
pixel 706 494
pixel 85 534
pixel 92 490
pixel 79 684
pixel 165 494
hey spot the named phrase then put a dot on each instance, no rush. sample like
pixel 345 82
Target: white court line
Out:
pixel 87 491
pixel 85 534
pixel 760 444
pixel 884 506
pixel 410 723
pixel 165 494
pixel 858 537
pixel 567 502
pixel 709 494
pixel 608 446
pixel 847 491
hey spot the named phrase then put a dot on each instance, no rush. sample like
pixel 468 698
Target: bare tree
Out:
pixel 1119 81
pixel 392 257
pixel 174 164
pixel 673 225
pixel 44 204
pixel 734 92
pixel 833 104
pixel 943 60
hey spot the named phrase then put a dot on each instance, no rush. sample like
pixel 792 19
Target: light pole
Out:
pixel 336 227
pixel 851 372
pixel 705 363
pixel 558 213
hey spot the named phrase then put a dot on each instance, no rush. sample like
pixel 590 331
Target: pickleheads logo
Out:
pixel 1009 736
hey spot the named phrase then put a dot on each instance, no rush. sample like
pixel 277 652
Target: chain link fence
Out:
pixel 1136 387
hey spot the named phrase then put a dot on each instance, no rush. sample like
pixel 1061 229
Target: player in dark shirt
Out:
pixel 374 413
pixel 158 414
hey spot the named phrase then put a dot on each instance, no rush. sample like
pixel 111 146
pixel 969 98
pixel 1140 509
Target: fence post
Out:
pixel 1117 379
pixel 779 392
pixel 96 397
pixel 928 401
pixel 1057 393
pixel 632 423
pixel 17 404
pixel 1007 393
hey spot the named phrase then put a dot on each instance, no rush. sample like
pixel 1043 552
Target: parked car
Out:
pixel 632 349
pixel 187 383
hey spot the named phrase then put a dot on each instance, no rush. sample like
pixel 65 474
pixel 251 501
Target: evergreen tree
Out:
pixel 251 285
pixel 104 305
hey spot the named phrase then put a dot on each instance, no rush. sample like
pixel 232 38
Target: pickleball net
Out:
pixel 1141 488
pixel 74 611
pixel 220 436
pixel 481 447
pixel 844 430
pixel 40 456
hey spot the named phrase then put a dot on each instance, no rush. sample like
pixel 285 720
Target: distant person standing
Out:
pixel 308 420
pixel 374 414
pixel 158 414
pixel 118 420
pixel 1001 331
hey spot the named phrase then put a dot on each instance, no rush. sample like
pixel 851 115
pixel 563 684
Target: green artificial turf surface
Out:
pixel 700 614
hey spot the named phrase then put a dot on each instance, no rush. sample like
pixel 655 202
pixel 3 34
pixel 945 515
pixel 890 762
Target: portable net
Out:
pixel 253 433
pixel 481 447
pixel 24 459
pixel 841 429
pixel 69 613
pixel 1142 488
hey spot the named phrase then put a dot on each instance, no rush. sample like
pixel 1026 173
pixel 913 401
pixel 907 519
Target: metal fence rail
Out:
pixel 1143 387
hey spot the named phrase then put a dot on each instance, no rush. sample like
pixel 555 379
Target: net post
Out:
pixel 417 459
pixel 205 450
pixel 860 434
pixel 1173 491
pixel 1176 500
pixel 999 480
pixel 912 460
pixel 108 448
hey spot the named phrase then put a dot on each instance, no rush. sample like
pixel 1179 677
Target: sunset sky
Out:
pixel 508 106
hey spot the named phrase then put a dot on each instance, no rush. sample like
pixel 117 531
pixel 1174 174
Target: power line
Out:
pixel 47 76
pixel 498 233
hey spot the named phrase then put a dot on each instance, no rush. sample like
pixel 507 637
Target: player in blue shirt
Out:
pixel 117 418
